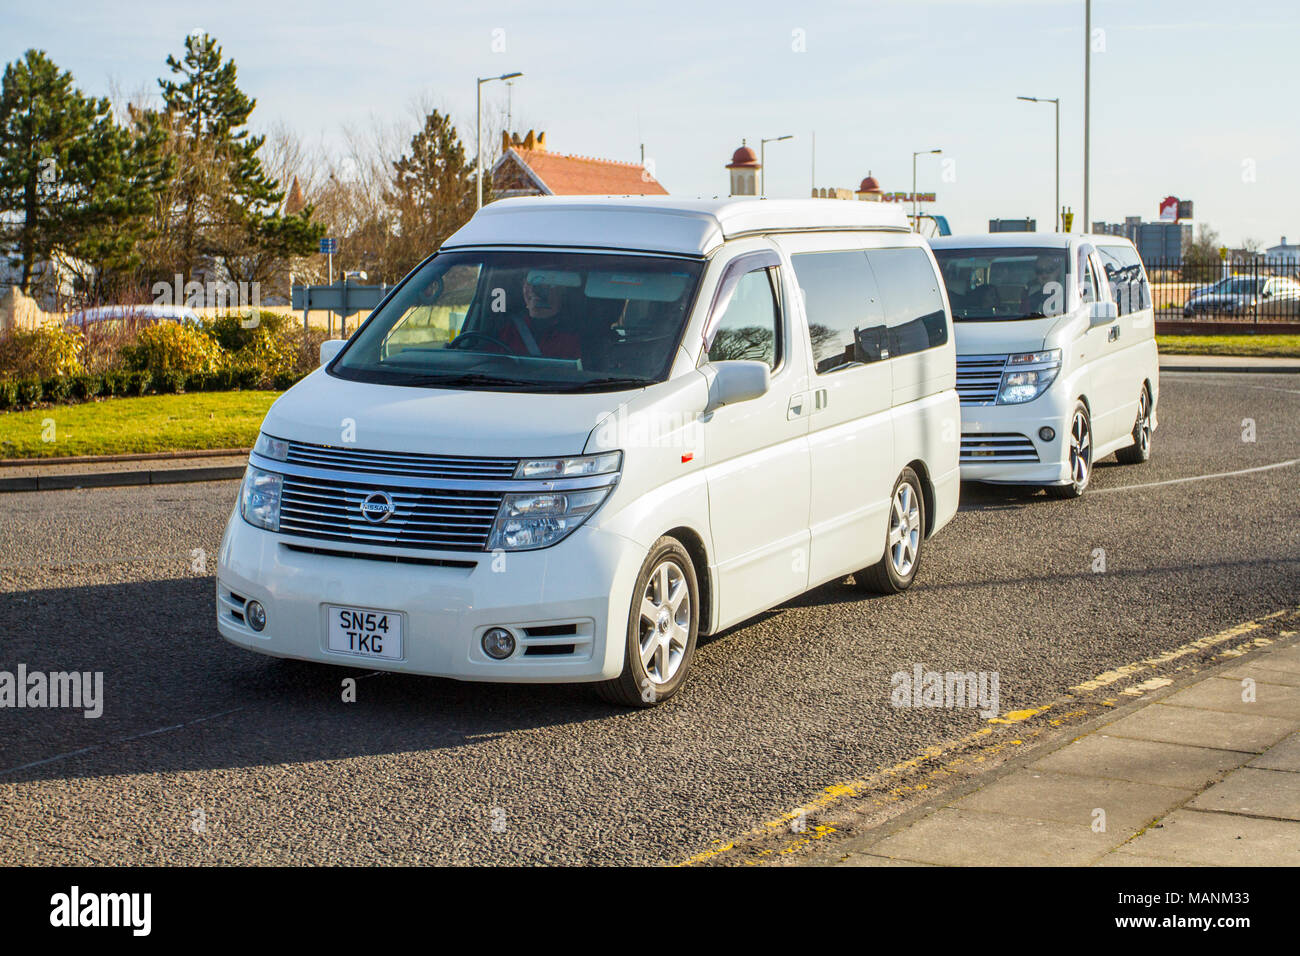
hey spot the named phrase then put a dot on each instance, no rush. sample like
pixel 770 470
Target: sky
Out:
pixel 1192 99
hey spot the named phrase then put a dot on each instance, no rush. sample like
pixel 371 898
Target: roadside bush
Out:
pixel 29 391
pixel 8 393
pixel 116 382
pixel 169 382
pixel 57 388
pixel 230 333
pixel 86 387
pixel 52 349
pixel 172 346
pixel 138 383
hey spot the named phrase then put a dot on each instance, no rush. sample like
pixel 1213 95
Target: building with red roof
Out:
pixel 528 168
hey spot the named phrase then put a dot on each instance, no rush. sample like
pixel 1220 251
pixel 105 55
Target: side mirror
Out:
pixel 737 381
pixel 330 348
pixel 1103 313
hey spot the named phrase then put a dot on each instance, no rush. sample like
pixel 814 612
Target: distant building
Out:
pixel 528 168
pixel 1013 225
pixel 868 190
pixel 1158 243
pixel 744 167
pixel 1283 254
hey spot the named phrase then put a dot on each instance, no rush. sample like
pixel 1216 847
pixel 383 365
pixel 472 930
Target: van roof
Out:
pixel 1040 240
pixel 662 223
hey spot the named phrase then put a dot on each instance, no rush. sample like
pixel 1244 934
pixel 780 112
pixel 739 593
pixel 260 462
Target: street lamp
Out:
pixel 1057 103
pixel 478 131
pixel 1087 110
pixel 916 212
pixel 762 161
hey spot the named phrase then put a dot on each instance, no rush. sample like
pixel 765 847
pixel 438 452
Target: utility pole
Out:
pixel 478 132
pixel 1087 111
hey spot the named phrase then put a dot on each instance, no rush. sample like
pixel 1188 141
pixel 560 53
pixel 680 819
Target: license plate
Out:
pixel 365 632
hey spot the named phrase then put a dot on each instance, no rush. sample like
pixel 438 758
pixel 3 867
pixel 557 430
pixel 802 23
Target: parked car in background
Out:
pixel 1056 355
pixel 1253 296
pixel 140 313
pixel 589 430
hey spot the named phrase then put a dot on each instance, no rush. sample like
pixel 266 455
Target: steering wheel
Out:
pixel 455 343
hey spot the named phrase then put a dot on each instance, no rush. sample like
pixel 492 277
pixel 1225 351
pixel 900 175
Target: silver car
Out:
pixel 1252 296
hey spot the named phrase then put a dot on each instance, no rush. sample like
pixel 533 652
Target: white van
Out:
pixel 588 430
pixel 1056 368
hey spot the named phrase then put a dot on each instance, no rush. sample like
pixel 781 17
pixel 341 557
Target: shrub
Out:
pixel 57 388
pixel 29 391
pixel 172 346
pixel 86 387
pixel 138 382
pixel 116 382
pixel 8 393
pixel 169 382
pixel 49 350
pixel 233 333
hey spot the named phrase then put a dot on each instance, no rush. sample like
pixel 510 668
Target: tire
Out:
pixel 896 569
pixel 1080 455
pixel 1140 450
pixel 661 635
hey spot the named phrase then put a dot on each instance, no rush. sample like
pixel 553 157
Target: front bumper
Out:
pixel 1001 444
pixel 573 596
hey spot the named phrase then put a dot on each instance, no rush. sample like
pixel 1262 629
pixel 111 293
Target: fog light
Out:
pixel 498 643
pixel 1046 434
pixel 255 615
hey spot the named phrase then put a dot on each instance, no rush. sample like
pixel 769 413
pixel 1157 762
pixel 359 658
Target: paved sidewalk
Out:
pixel 121 470
pixel 1201 777
pixel 1227 363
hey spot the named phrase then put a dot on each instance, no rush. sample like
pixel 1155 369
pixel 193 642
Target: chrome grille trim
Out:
pixel 978 378
pixel 332 477
pixel 400 463
pixel 979 449
pixel 434 518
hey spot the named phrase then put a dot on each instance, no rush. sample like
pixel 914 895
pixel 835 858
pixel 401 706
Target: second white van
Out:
pixel 1056 355
pixel 587 431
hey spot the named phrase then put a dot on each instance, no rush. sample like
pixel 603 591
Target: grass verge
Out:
pixel 1255 346
pixel 119 426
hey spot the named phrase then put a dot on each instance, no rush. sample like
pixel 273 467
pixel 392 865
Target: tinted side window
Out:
pixel 913 303
pixel 1128 280
pixel 751 326
pixel 846 321
pixel 1087 291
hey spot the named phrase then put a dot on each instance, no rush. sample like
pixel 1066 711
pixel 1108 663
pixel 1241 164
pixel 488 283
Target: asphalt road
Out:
pixel 276 768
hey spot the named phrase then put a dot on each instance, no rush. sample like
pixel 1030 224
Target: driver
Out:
pixel 541 332
pixel 1045 290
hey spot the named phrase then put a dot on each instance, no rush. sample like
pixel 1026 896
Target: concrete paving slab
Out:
pixel 953 837
pixel 1068 798
pixel 1264 675
pixel 1283 756
pixel 1255 792
pixel 1203 728
pixel 867 859
pixel 1135 860
pixel 1283 658
pixel 1194 837
pixel 1142 761
pixel 1225 694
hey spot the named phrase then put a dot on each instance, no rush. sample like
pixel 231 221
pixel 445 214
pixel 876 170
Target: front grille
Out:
pixel 978 378
pixel 399 463
pixel 422 517
pixel 997 446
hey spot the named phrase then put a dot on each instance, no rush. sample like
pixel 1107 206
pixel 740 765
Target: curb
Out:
pixel 143 456
pixel 109 479
pixel 1253 369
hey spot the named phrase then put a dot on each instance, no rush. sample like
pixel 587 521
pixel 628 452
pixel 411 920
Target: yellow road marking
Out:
pixel 837 792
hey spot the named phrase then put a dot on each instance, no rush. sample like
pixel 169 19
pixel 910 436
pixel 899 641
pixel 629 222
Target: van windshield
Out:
pixel 528 321
pixel 1004 284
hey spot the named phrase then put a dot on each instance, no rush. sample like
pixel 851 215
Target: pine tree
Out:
pixel 223 205
pixel 432 194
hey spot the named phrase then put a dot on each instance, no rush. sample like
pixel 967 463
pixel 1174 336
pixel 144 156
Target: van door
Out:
pixel 1131 291
pixel 758 467
pixel 1102 351
pixel 851 437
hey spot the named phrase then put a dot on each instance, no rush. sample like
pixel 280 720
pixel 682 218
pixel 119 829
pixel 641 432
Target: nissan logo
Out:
pixel 377 507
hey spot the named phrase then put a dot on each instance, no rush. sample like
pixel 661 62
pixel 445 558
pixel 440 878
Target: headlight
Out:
pixel 268 447
pixel 575 467
pixel 1028 375
pixel 541 519
pixel 259 498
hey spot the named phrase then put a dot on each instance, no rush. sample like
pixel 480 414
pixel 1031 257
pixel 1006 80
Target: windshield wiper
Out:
pixel 467 378
pixel 611 381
